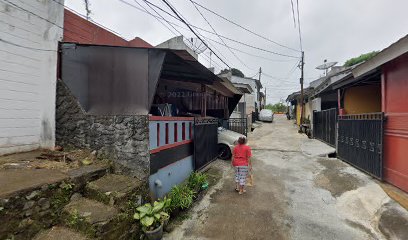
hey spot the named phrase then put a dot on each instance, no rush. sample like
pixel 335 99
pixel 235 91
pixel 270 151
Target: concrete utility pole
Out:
pixel 302 63
pixel 259 90
pixel 265 98
pixel 260 72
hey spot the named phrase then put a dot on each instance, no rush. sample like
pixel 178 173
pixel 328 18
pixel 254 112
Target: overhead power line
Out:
pixel 155 16
pixel 247 53
pixel 246 29
pixel 181 19
pixel 284 79
pixel 210 32
pixel 293 13
pixel 28 11
pixel 159 17
pixel 26 47
pixel 300 32
pixel 222 40
pixel 212 49
pixel 88 19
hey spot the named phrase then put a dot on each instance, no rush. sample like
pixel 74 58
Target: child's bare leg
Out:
pixel 241 189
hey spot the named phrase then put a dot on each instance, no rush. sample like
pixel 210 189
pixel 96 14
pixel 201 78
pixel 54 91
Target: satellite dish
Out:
pixel 195 44
pixel 326 65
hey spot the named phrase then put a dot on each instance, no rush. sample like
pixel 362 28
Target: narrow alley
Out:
pixel 299 193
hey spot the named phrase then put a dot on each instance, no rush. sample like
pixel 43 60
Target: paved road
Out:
pixel 297 195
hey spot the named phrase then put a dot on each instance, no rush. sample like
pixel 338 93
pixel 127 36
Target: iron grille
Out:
pixel 239 125
pixel 324 126
pixel 205 141
pixel 360 142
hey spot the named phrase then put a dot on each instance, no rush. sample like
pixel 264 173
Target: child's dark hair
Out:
pixel 241 140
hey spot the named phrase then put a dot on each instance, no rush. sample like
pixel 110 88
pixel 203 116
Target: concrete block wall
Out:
pixel 29 35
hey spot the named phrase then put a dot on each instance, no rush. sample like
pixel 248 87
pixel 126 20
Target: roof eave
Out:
pixel 388 54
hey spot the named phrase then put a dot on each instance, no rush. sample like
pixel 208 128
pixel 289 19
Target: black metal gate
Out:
pixel 360 142
pixel 205 141
pixel 238 125
pixel 324 126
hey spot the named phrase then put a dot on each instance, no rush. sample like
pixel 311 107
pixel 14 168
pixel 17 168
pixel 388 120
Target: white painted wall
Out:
pixel 317 104
pixel 249 98
pixel 28 68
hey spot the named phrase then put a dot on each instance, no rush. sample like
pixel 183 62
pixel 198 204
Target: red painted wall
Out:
pixel 79 30
pixel 395 106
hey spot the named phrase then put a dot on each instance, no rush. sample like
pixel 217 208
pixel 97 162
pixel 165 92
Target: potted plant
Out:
pixel 151 219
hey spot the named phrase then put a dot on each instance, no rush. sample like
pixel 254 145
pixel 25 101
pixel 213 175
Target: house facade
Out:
pixel 153 111
pixel 253 100
pixel 371 114
pixel 394 104
pixel 28 59
pixel 243 110
pixel 380 85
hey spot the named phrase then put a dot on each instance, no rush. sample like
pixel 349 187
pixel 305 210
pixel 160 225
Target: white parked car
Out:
pixel 226 142
pixel 266 115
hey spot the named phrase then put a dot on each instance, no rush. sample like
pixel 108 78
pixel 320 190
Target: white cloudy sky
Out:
pixel 333 30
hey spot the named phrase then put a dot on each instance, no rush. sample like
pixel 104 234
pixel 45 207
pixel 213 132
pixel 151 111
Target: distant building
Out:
pixel 177 43
pixel 253 100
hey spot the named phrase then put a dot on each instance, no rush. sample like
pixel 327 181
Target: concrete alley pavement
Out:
pixel 298 194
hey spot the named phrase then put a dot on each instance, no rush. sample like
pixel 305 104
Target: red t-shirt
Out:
pixel 241 155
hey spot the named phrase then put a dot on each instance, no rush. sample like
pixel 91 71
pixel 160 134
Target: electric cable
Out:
pixel 175 12
pixel 207 31
pixel 300 32
pixel 248 30
pixel 222 40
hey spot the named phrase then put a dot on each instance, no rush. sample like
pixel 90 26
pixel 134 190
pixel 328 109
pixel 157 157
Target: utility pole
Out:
pixel 259 90
pixel 302 63
pixel 265 98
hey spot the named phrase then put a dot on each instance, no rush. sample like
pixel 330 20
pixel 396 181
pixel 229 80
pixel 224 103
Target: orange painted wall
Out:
pixel 395 106
pixel 362 99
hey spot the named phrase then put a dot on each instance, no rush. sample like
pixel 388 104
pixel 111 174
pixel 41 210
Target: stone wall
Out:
pixel 123 139
pixel 25 214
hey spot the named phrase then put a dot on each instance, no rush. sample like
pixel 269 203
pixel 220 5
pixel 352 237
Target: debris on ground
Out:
pixel 58 158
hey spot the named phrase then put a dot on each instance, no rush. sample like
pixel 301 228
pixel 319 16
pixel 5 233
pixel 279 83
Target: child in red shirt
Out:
pixel 241 160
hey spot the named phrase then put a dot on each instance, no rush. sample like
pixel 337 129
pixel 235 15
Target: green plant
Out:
pixel 167 204
pixel 196 180
pixel 62 195
pixel 80 223
pixel 67 186
pixel 277 107
pixel 360 59
pixel 234 72
pixel 75 219
pixel 181 197
pixel 151 217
